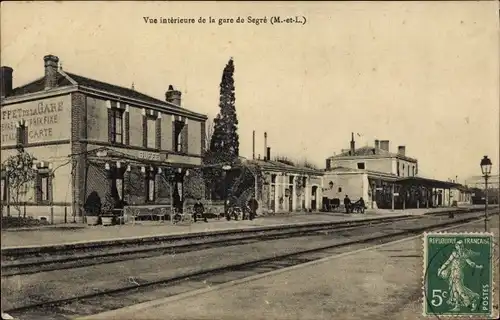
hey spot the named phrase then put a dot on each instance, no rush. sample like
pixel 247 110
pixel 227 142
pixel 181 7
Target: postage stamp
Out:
pixel 458 275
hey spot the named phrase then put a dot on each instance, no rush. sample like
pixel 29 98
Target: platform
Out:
pixel 72 233
pixel 383 282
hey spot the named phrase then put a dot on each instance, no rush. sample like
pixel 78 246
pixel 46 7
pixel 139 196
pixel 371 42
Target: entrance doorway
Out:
pixel 314 192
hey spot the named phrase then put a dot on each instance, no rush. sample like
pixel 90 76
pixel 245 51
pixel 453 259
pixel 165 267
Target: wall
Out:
pixel 386 165
pixel 175 158
pixel 57 155
pixel 46 120
pixel 194 137
pixel 166 132
pixel 352 184
pixel 62 196
pixel 380 164
pixel 97 119
pixel 281 184
pixel 97 127
pixel 136 130
pixel 403 168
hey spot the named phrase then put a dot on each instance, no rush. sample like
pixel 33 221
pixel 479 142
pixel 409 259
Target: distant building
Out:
pixel 477 186
pixel 279 185
pixel 384 179
pixel 288 187
pixel 95 138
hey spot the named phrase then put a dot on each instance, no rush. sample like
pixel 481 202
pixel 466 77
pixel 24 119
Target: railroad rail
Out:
pixel 27 264
pixel 109 299
pixel 29 260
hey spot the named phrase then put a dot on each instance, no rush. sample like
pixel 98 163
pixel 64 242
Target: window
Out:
pixel 403 170
pixel 22 134
pixel 397 168
pixel 273 178
pixel 361 165
pixel 408 171
pixel 117 185
pixel 43 186
pixel 178 126
pixel 151 132
pixel 116 123
pixel 150 186
pixel 340 189
pixel 4 189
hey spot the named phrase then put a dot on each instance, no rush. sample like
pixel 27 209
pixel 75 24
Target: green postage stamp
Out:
pixel 458 275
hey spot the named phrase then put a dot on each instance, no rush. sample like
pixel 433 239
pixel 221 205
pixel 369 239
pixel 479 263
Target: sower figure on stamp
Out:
pixel 453 271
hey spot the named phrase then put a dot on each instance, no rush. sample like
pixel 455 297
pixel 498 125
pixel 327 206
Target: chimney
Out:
pixel 384 145
pixel 51 64
pixel 265 146
pixel 402 150
pixel 173 96
pixel 377 144
pixel 352 143
pixel 253 145
pixel 6 81
pixel 268 153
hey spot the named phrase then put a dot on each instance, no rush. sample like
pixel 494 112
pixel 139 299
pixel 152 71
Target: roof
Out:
pixel 70 79
pixel 280 166
pixel 402 180
pixel 428 182
pixel 130 93
pixel 368 151
pixel 39 85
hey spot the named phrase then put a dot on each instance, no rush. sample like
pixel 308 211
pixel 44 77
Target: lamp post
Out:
pixel 486 170
pixel 226 168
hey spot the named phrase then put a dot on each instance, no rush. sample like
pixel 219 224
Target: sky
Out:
pixel 420 74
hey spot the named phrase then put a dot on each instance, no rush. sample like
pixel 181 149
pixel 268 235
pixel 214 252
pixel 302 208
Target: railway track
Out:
pixel 22 261
pixel 16 265
pixel 140 292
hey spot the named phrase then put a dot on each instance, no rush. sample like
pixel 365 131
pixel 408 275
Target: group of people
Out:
pixel 349 206
pixel 199 209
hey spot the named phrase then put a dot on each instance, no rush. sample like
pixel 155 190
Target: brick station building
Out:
pixel 93 139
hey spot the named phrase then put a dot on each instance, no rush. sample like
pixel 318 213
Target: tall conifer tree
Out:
pixel 225 144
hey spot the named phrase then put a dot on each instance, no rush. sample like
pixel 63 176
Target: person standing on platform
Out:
pixel 347 203
pixel 253 204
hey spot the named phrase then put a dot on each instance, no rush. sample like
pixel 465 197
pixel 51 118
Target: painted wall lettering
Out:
pixel 46 120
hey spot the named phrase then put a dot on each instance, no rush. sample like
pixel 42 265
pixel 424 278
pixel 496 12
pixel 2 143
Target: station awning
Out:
pixel 430 183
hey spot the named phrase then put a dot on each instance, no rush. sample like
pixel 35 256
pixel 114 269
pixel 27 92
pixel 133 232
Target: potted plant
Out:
pixel 92 208
pixel 107 216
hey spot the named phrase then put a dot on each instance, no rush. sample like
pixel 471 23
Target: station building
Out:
pixel 92 139
pixel 288 187
pixel 384 179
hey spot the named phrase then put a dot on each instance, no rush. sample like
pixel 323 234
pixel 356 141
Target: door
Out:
pixel 314 191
